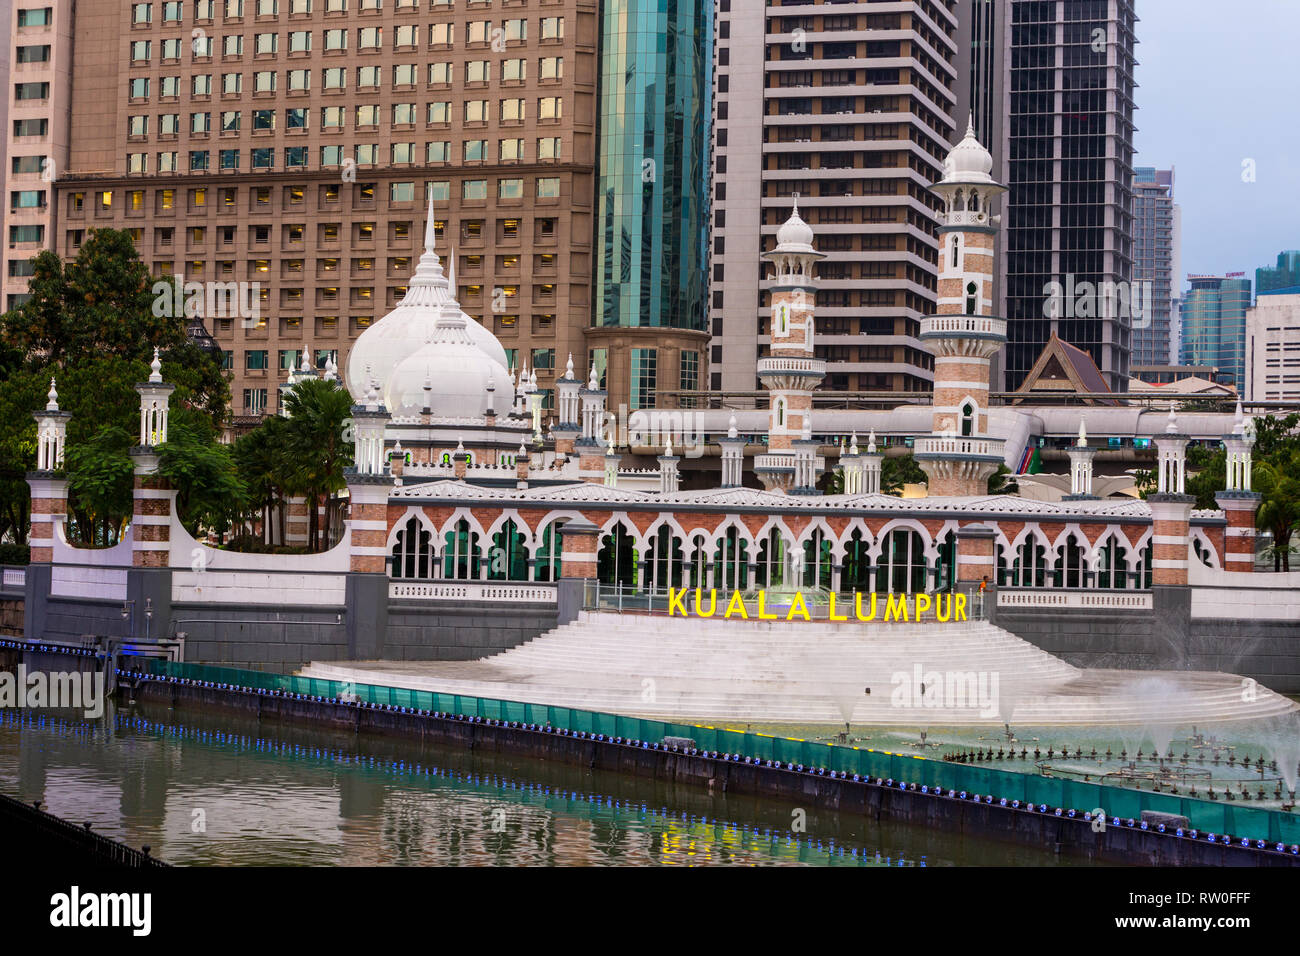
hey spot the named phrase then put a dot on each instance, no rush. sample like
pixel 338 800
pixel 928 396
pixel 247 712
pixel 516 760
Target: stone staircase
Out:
pixel 817 672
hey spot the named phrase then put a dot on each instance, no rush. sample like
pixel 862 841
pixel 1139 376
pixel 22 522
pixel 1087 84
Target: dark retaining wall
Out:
pixel 33 834
pixel 1166 638
pixel 464 632
pixel 1061 834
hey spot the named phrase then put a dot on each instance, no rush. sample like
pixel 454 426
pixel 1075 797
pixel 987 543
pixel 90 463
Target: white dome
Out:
pixel 794 233
pixel 969 161
pixel 458 375
pixel 404 331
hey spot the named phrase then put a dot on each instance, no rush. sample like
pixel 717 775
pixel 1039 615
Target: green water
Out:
pixel 206 790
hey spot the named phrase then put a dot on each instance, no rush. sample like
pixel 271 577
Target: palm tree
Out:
pixel 319 411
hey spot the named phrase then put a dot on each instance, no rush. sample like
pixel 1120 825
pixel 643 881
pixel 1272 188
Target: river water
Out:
pixel 203 789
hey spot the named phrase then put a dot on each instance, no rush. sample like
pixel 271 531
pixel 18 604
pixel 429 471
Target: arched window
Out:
pixel 947 562
pixel 509 558
pixel 770 564
pixel 856 575
pixel 817 561
pixel 956 251
pixel 902 565
pixel 967 419
pixel 547 565
pixel 663 567
pixel 974 201
pixel 780 413
pixel 1029 569
pixel 1068 569
pixel 413 554
pixel 461 554
pixel 972 298
pixel 617 561
pixel 731 562
pixel 1112 568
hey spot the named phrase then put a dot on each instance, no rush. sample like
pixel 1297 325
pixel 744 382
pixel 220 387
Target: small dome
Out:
pixel 795 232
pixel 402 332
pixel 969 161
pixel 453 368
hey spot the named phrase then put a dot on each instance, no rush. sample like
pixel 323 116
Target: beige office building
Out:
pixel 288 147
pixel 37 101
pixel 1273 348
pixel 851 107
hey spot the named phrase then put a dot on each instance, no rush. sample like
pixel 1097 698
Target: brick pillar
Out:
pixel 151 513
pixel 1239 538
pixel 976 554
pixel 295 522
pixel 49 510
pixel 460 464
pixel 366 592
pixel 591 461
pixel 581 542
pixel 521 469
pixel 1171 519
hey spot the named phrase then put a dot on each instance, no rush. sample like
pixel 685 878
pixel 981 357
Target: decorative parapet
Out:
pixel 973 448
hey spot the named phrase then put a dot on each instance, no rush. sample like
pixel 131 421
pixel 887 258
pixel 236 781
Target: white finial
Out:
pixel 731 428
pixel 795 211
pixel 53 396
pixel 807 427
pixel 871 442
pixel 331 368
pixel 609 449
pixel 429 232
pixel 668 448
pixel 397 447
pixel 568 367
pixel 853 443
pixel 1172 427
pixel 155 373
pixel 460 446
pixel 451 275
pixel 304 366
pixel 372 396
pixel 593 383
pixel 970 124
pixel 522 450
pixel 532 380
pixel 1238 422
pixel 1083 434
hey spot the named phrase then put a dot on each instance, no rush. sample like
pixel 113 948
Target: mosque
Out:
pixel 472 529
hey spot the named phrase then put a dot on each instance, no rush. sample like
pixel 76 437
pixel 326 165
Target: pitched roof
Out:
pixel 1062 367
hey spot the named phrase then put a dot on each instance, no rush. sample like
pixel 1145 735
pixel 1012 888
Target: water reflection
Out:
pixel 201 789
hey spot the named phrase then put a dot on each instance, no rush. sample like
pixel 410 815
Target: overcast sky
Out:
pixel 1218 83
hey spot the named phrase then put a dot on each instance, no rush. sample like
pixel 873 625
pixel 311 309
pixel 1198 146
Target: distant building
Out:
pixel 1273 347
pixel 1156 260
pixel 1214 324
pixel 1284 275
pixel 1166 374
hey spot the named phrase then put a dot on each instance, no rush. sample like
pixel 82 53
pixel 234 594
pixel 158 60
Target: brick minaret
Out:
pixel 591 446
pixel 1238 502
pixel 48 484
pixel 152 509
pixel 1171 509
pixel 958 456
pixel 791 371
pixel 370 482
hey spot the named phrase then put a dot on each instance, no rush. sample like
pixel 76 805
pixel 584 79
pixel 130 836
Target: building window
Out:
pixel 644 365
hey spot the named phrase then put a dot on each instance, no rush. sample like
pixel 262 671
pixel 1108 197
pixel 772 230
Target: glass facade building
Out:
pixel 1286 275
pixel 1155 263
pixel 651 190
pixel 1214 324
pixel 1068 218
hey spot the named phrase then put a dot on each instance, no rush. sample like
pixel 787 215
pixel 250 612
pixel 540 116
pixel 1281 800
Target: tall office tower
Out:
pixel 648 331
pixel 1286 275
pixel 853 109
pixel 1273 347
pixel 1156 261
pixel 1068 161
pixel 37 99
pixel 291 144
pixel 1214 324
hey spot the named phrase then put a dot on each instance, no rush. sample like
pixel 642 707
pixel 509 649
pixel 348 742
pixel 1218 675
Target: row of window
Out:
pixel 173 11
pixel 336 117
pixel 336 78
pixel 367 38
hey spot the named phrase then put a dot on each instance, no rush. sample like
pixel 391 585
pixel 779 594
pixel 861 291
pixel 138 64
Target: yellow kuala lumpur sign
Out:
pixel 904 608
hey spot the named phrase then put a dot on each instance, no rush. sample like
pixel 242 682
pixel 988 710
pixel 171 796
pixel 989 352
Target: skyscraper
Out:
pixel 1068 219
pixel 852 109
pixel 1214 324
pixel 1156 262
pixel 651 198
pixel 38 48
pixel 1285 275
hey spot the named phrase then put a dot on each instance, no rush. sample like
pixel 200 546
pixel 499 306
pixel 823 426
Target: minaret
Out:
pixel 958 456
pixel 791 371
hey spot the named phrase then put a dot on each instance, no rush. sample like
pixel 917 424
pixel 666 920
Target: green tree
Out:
pixel 1002 482
pixel 900 471
pixel 22 393
pixel 261 468
pixel 318 448
pixel 99 486
pixel 209 495
pixel 1278 482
